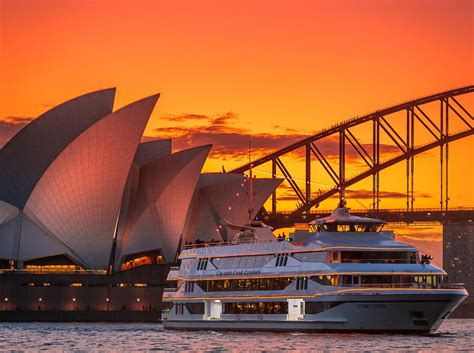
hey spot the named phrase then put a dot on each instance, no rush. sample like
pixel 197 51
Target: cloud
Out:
pixel 367 194
pixel 429 239
pixel 10 125
pixel 286 193
pixel 230 140
pixel 419 233
pixel 329 147
pixel 15 120
pixel 184 117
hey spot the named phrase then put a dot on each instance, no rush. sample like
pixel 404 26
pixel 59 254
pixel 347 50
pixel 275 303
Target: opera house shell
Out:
pixel 223 198
pixel 78 184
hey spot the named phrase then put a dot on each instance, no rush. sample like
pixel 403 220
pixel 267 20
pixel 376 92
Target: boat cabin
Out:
pixel 342 221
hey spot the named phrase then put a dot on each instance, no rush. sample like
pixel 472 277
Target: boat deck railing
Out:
pixel 407 285
pixel 378 261
pixel 226 243
pixel 453 285
pixel 172 290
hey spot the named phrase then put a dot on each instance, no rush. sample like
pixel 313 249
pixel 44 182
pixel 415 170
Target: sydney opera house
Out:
pixel 91 218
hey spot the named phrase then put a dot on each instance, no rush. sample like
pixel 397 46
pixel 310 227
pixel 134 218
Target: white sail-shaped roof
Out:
pixel 147 152
pixel 26 157
pixel 36 243
pixel 78 197
pixel 159 211
pixel 28 154
pixel 7 212
pixel 151 151
pixel 224 197
pixel 9 238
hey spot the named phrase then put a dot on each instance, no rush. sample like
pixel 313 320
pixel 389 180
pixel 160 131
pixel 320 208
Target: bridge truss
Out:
pixel 419 112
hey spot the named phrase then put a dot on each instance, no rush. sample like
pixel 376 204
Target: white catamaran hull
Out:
pixel 415 313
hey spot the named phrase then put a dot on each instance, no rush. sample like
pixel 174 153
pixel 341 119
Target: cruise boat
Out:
pixel 343 274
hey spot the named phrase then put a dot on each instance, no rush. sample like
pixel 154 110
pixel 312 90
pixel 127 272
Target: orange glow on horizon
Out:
pixel 270 70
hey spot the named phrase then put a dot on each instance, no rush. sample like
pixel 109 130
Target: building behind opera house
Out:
pixel 91 218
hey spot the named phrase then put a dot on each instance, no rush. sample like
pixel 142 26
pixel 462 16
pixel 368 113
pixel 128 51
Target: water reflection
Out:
pixel 455 335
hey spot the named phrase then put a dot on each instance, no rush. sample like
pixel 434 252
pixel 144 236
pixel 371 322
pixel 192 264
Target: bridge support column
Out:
pixel 412 171
pixel 274 195
pixel 342 164
pixel 308 175
pixel 441 154
pixel 376 161
pixel 446 152
pixel 410 168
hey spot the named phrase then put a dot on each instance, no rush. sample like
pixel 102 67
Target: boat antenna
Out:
pixel 342 197
pixel 250 186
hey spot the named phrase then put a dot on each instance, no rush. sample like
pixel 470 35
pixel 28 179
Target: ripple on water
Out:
pixel 454 335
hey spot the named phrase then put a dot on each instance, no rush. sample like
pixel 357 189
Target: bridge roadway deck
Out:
pixel 417 216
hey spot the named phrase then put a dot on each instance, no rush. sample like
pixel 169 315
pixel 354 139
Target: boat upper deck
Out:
pixel 303 241
pixel 347 245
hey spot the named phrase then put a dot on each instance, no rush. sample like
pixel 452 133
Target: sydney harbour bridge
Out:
pixel 440 118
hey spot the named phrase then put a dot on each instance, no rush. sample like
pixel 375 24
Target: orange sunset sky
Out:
pixel 270 71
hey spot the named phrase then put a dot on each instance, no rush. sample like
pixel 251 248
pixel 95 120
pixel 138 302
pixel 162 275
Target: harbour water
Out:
pixel 454 335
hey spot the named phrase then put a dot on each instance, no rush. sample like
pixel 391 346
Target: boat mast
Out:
pixel 342 197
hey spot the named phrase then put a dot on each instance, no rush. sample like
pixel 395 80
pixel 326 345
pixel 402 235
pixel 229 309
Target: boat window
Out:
pixel 189 287
pixel 345 280
pixel 256 308
pixel 202 264
pixel 391 281
pixel 301 283
pixel 245 284
pixel 281 260
pixel 342 228
pixel 388 257
pixel 179 309
pixel 382 279
pixel 326 280
pixel 351 227
pixel 329 227
pixel 241 261
pixel 310 256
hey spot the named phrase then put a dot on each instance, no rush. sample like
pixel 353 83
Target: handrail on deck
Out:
pixel 378 261
pixel 170 289
pixel 453 285
pixel 226 243
pixel 406 285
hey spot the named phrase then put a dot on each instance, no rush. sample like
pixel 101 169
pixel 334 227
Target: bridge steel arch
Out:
pixel 450 108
